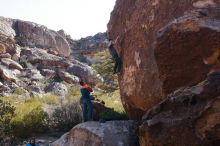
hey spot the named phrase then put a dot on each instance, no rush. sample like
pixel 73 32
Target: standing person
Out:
pixel 86 101
pixel 115 57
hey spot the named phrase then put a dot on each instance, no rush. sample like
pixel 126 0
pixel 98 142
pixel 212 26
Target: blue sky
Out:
pixel 79 18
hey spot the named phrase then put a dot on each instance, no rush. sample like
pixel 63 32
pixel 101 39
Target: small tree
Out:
pixel 105 69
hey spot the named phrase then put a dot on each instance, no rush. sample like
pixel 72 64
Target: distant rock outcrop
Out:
pixel 35 35
pixel 85 48
pixel 112 133
pixel 164 45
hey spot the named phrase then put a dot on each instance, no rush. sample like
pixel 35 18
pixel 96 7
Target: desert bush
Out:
pixel 25 64
pixel 6 115
pixel 31 123
pixel 48 99
pixel 113 115
pixel 19 91
pixel 105 69
pixel 67 116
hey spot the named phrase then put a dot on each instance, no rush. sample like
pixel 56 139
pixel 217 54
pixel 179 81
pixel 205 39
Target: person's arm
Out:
pixel 89 89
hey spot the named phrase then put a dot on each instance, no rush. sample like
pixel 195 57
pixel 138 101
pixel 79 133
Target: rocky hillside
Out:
pixel 31 55
pixel 170 74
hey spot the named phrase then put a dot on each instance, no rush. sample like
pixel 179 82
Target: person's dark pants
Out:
pixel 117 66
pixel 87 110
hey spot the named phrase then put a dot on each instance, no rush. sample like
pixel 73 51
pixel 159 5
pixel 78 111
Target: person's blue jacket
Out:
pixel 85 91
pixel 31 144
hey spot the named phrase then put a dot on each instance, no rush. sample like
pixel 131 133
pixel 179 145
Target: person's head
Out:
pixel 81 83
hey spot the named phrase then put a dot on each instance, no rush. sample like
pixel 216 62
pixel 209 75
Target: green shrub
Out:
pixel 66 117
pixel 6 115
pixel 105 69
pixel 19 91
pixel 23 64
pixel 113 115
pixel 48 99
pixel 73 94
pixel 30 123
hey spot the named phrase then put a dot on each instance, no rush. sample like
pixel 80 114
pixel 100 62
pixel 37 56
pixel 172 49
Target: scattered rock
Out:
pixel 8 74
pixel 98 108
pixel 11 64
pixel 6 27
pixel 65 76
pixel 57 89
pixel 85 72
pixel 16 55
pixel 48 73
pixel 33 74
pixel 112 133
pixel 6 55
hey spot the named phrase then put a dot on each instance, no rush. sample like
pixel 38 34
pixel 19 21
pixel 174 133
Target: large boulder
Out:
pixel 11 64
pixel 6 27
pixel 57 89
pixel 163 45
pixel 32 74
pixel 40 56
pixel 6 55
pixel 112 133
pixel 65 76
pixel 7 44
pixel 7 34
pixel 35 35
pixel 189 116
pixel 7 74
pixel 85 73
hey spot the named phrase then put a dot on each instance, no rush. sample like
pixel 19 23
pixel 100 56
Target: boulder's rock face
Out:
pixel 189 116
pixel 163 46
pixel 6 27
pixel 6 55
pixel 85 73
pixel 40 56
pixel 65 76
pixel 57 89
pixel 11 64
pixel 34 35
pixel 48 73
pixel 7 74
pixel 7 34
pixel 33 74
pixel 113 133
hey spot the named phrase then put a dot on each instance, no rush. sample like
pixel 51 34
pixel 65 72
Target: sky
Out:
pixel 79 18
